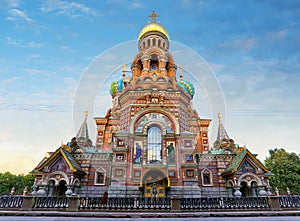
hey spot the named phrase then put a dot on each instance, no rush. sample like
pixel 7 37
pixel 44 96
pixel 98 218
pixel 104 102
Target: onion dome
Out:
pixel 153 27
pixel 188 87
pixel 116 86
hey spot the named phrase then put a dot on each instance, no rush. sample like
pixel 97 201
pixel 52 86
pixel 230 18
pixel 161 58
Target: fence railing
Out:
pixel 289 201
pixel 51 202
pixel 224 203
pixel 11 201
pixel 76 203
pixel 125 203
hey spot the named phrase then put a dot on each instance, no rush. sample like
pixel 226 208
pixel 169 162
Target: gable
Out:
pixel 244 161
pixel 60 160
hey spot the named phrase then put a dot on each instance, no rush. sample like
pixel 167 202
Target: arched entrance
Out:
pixel 155 184
pixel 245 189
pixel 61 188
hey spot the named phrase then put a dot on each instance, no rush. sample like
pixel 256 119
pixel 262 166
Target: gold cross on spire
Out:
pixel 219 116
pixel 153 16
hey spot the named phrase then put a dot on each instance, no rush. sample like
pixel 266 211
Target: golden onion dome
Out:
pixel 153 27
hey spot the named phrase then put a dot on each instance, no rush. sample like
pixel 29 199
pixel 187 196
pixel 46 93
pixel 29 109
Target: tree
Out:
pixel 19 182
pixel 286 169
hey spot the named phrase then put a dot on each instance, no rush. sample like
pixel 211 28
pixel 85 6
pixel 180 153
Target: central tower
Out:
pixel 151 128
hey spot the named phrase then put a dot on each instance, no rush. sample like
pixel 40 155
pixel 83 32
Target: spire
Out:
pixel 222 133
pixel 83 130
pixel 180 73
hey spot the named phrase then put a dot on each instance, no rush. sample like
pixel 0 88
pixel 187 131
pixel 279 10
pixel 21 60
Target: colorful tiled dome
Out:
pixel 116 86
pixel 188 87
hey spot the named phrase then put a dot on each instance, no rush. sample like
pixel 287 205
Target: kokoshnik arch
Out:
pixel 151 142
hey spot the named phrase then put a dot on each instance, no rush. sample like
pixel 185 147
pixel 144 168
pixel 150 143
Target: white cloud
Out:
pixel 21 44
pixel 10 80
pixel 16 14
pixel 242 44
pixel 72 9
pixel 9 3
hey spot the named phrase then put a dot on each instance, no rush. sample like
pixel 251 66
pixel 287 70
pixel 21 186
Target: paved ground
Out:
pixel 226 215
pixel 264 218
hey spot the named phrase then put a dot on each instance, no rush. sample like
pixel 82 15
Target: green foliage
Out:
pixel 286 167
pixel 19 182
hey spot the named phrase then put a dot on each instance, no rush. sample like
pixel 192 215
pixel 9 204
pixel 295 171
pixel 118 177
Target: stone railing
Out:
pixel 76 203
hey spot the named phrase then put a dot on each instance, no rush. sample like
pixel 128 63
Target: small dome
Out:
pixel 153 27
pixel 187 86
pixel 116 86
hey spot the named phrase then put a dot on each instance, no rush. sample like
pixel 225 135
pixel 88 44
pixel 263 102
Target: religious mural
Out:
pixel 137 152
pixel 171 151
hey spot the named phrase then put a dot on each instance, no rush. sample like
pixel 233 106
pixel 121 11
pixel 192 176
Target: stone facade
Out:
pixel 152 143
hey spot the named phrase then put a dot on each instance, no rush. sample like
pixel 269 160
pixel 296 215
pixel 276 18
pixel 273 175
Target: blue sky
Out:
pixel 253 48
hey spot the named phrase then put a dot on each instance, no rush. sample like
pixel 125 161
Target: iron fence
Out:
pixel 159 204
pixel 11 201
pixel 289 201
pixel 51 202
pixel 126 203
pixel 224 203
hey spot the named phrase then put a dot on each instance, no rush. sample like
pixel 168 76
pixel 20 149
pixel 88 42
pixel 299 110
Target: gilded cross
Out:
pixel 153 16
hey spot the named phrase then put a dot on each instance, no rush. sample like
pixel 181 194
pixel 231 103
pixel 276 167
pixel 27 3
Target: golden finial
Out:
pixel 153 16
pixel 219 116
pixel 180 72
pixel 123 70
pixel 86 113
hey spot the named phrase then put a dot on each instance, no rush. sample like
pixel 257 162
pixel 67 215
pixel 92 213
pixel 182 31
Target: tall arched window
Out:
pixel 154 145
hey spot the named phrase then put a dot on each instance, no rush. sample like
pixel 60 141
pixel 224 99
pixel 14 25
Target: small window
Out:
pixel 171 173
pixel 206 176
pixel 188 143
pixel 189 158
pixel 120 157
pixel 137 173
pixel 119 172
pixel 190 173
pixel 100 176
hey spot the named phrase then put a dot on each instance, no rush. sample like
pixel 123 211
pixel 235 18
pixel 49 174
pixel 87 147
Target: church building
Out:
pixel 151 142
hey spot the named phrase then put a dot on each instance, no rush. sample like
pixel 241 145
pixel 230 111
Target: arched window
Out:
pixel 154 145
pixel 100 176
pixel 206 176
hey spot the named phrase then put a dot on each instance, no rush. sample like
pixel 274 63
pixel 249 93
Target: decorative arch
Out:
pixel 249 178
pixel 57 176
pixel 171 117
pixel 155 183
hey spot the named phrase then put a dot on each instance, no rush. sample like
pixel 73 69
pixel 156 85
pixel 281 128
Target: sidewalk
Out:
pixel 153 214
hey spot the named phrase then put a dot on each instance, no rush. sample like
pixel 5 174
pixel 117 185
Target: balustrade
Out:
pixel 11 201
pixel 224 203
pixel 51 202
pixel 144 204
pixel 289 201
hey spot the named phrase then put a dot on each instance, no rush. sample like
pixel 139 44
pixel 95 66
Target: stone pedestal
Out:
pixel 73 202
pixel 28 202
pixel 274 203
pixel 175 204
